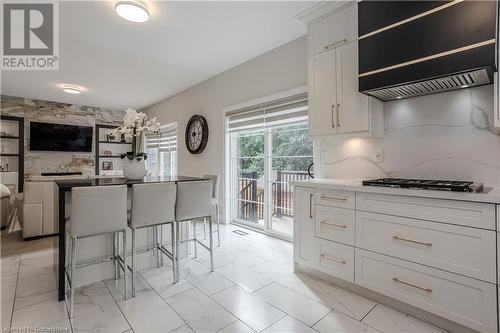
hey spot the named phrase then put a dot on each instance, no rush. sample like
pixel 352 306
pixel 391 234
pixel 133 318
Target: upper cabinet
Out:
pixel 335 105
pixel 333 30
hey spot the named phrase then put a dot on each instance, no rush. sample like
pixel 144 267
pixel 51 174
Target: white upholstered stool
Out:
pixel 96 210
pixel 153 205
pixel 194 202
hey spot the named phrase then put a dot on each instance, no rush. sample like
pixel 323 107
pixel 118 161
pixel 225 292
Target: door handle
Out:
pixel 333 110
pixel 341 261
pixel 398 280
pixel 334 224
pixel 396 237
pixel 330 197
pixel 310 206
pixel 338 115
pixel 335 43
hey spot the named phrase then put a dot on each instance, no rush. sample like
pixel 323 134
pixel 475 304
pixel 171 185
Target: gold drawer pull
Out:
pixel 336 43
pixel 329 197
pixel 411 240
pixel 334 259
pixel 334 224
pixel 398 280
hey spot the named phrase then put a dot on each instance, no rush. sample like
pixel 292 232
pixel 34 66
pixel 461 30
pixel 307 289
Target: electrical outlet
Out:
pixel 324 156
pixel 378 156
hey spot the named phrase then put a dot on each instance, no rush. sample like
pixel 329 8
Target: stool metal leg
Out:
pixel 174 252
pixel 125 262
pixel 161 244
pixel 211 239
pixel 114 256
pixel 218 224
pixel 119 275
pixel 73 268
pixel 133 262
pixel 177 237
pixel 195 240
pixel 204 229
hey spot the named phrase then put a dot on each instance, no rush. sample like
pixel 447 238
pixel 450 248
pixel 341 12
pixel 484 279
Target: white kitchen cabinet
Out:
pixel 336 107
pixel 322 94
pixel 464 300
pixel 304 249
pixel 336 259
pixel 353 109
pixel 462 250
pixel 335 104
pixel 339 27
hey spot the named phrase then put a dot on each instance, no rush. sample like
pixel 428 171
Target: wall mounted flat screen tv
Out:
pixel 59 137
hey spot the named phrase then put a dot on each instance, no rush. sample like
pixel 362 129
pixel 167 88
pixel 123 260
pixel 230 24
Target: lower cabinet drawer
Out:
pixel 336 259
pixel 336 224
pixel 464 300
pixel 462 250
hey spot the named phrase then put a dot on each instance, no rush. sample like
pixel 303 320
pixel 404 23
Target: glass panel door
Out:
pixel 263 164
pixel 291 153
pixel 247 159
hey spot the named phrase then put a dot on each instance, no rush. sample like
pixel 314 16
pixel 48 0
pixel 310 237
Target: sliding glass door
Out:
pixel 264 162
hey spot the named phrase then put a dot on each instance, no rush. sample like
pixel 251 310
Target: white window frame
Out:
pixel 228 213
pixel 173 161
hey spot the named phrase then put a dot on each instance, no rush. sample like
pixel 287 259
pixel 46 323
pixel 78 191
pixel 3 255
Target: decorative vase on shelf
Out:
pixel 136 124
pixel 134 169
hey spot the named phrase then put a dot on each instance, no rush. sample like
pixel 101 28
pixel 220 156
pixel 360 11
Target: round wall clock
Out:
pixel 196 134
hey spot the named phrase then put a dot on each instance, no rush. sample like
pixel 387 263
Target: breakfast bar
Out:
pixel 65 186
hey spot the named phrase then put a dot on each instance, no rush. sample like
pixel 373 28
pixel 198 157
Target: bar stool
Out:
pixel 194 201
pixel 97 210
pixel 215 201
pixel 153 205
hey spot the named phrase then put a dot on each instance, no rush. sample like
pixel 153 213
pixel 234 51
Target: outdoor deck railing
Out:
pixel 251 203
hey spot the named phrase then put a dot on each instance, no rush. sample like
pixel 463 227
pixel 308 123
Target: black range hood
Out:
pixel 413 48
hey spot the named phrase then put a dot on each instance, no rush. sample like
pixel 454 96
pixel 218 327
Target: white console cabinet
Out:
pixel 437 255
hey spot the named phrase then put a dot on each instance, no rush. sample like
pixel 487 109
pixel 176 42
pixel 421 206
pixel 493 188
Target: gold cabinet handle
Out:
pixel 330 197
pixel 334 224
pixel 333 121
pixel 336 43
pixel 396 237
pixel 341 261
pixel 398 280
pixel 338 115
pixel 310 205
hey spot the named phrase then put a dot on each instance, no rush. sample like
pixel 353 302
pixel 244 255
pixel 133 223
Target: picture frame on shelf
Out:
pixel 110 137
pixel 107 165
pixel 107 152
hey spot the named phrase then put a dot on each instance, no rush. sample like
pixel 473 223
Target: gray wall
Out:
pixel 280 69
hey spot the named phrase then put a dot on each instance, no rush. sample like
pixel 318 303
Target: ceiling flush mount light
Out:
pixel 132 10
pixel 72 89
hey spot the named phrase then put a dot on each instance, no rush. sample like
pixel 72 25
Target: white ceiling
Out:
pixel 122 64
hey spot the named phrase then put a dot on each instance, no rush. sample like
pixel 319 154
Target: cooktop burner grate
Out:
pixel 427 184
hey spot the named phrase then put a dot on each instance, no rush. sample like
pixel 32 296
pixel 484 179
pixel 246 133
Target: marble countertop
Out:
pixel 490 195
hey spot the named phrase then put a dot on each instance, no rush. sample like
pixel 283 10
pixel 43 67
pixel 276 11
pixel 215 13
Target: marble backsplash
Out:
pixel 53 112
pixel 446 136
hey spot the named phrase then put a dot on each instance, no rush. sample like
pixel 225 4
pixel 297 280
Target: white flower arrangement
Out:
pixel 135 125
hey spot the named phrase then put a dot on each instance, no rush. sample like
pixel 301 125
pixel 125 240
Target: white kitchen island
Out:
pixel 431 253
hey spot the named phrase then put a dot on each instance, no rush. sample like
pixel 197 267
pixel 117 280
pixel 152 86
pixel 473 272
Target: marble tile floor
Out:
pixel 252 290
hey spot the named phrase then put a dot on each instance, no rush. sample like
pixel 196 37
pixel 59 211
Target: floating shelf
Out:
pixel 116 142
pixel 8 137
pixel 9 154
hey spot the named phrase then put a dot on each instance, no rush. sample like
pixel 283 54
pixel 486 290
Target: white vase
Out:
pixel 134 169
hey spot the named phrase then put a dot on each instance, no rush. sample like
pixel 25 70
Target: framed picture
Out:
pixel 108 153
pixel 107 165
